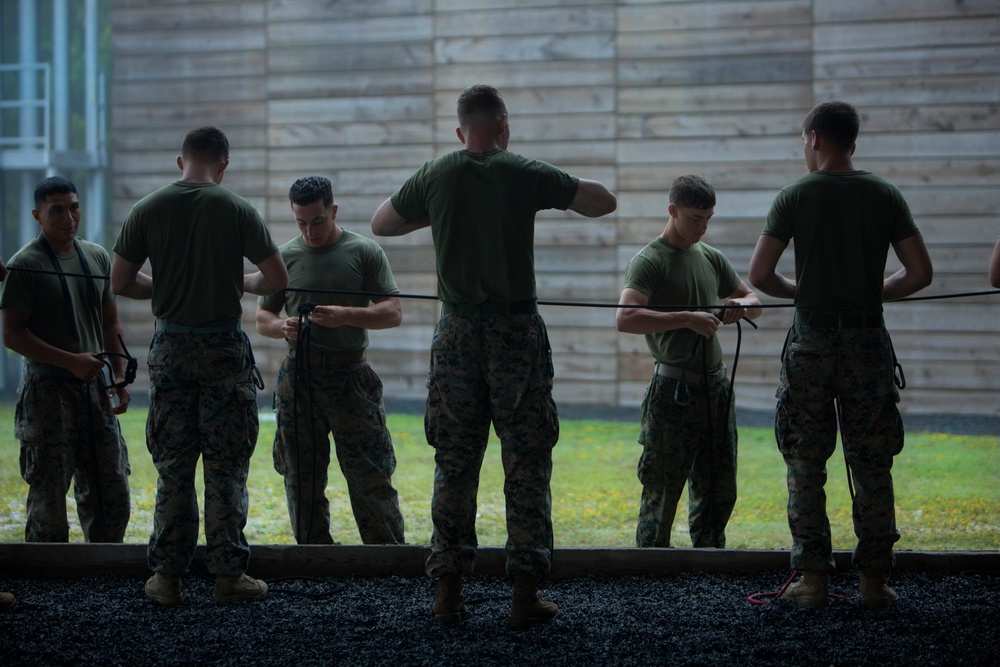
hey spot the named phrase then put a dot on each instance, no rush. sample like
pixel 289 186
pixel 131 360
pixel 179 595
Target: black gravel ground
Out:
pixel 683 619
pixel 686 619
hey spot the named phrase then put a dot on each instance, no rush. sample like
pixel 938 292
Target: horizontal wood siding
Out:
pixel 632 93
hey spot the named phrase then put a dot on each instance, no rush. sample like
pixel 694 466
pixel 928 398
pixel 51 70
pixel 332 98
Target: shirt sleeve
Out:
pixel 378 274
pixel 130 243
pixel 729 280
pixel 410 200
pixel 638 276
pixel 257 242
pixel 779 220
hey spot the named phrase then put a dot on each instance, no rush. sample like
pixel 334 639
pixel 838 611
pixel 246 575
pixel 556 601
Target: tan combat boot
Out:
pixel 811 590
pixel 448 601
pixel 526 608
pixel 240 588
pixel 875 592
pixel 165 589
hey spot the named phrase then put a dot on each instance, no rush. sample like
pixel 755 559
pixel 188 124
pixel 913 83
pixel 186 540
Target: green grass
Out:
pixel 946 491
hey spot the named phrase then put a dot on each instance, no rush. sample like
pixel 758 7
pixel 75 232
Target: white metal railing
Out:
pixel 27 134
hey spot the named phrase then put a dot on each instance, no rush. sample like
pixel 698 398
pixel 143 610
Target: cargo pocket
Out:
pixel 31 456
pixel 246 408
pixel 366 384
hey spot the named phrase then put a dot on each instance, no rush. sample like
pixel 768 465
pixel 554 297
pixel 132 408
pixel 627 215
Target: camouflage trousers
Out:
pixel 68 433
pixel 345 401
pixel 491 368
pixel 693 440
pixel 202 404
pixel 854 368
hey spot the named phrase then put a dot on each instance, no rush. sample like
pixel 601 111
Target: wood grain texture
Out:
pixel 631 93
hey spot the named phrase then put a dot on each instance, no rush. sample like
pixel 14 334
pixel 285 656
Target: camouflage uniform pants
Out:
pixel 695 443
pixel 202 404
pixel 68 433
pixel 853 367
pixel 345 401
pixel 491 368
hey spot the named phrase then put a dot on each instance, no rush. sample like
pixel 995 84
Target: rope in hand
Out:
pixel 131 367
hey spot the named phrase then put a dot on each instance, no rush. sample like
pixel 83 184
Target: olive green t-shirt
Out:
pixel 671 276
pixel 843 224
pixel 482 210
pixel 41 295
pixel 354 263
pixel 195 236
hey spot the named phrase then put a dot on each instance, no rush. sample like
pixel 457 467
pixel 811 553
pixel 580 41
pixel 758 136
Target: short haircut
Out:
pixel 480 100
pixel 54 185
pixel 310 189
pixel 206 144
pixel 835 121
pixel 691 191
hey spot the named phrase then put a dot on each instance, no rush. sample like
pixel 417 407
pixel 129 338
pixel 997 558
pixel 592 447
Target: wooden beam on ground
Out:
pixel 72 561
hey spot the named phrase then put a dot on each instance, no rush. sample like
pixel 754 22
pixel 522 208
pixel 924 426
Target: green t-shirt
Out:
pixel 41 295
pixel 671 276
pixel 195 236
pixel 354 263
pixel 482 210
pixel 843 224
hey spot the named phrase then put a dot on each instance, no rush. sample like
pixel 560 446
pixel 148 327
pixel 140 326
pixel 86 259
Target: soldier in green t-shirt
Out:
pixel 203 402
pixel 688 423
pixel 490 357
pixel 325 385
pixel 837 366
pixel 59 320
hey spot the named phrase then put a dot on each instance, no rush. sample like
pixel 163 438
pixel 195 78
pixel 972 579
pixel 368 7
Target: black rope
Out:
pixel 715 463
pixel 303 366
pixel 131 367
pixel 92 294
pixel 98 486
pixel 955 295
pixel 683 398
pixel 668 307
pixel 69 274
pixel 255 375
pixel 580 304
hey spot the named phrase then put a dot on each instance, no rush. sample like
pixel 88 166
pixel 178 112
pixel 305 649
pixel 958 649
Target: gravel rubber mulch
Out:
pixel 684 619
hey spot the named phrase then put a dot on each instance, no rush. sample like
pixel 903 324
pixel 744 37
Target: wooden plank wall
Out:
pixel 631 93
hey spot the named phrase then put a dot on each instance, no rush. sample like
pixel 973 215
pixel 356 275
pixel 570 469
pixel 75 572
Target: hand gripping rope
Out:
pixel 131 366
